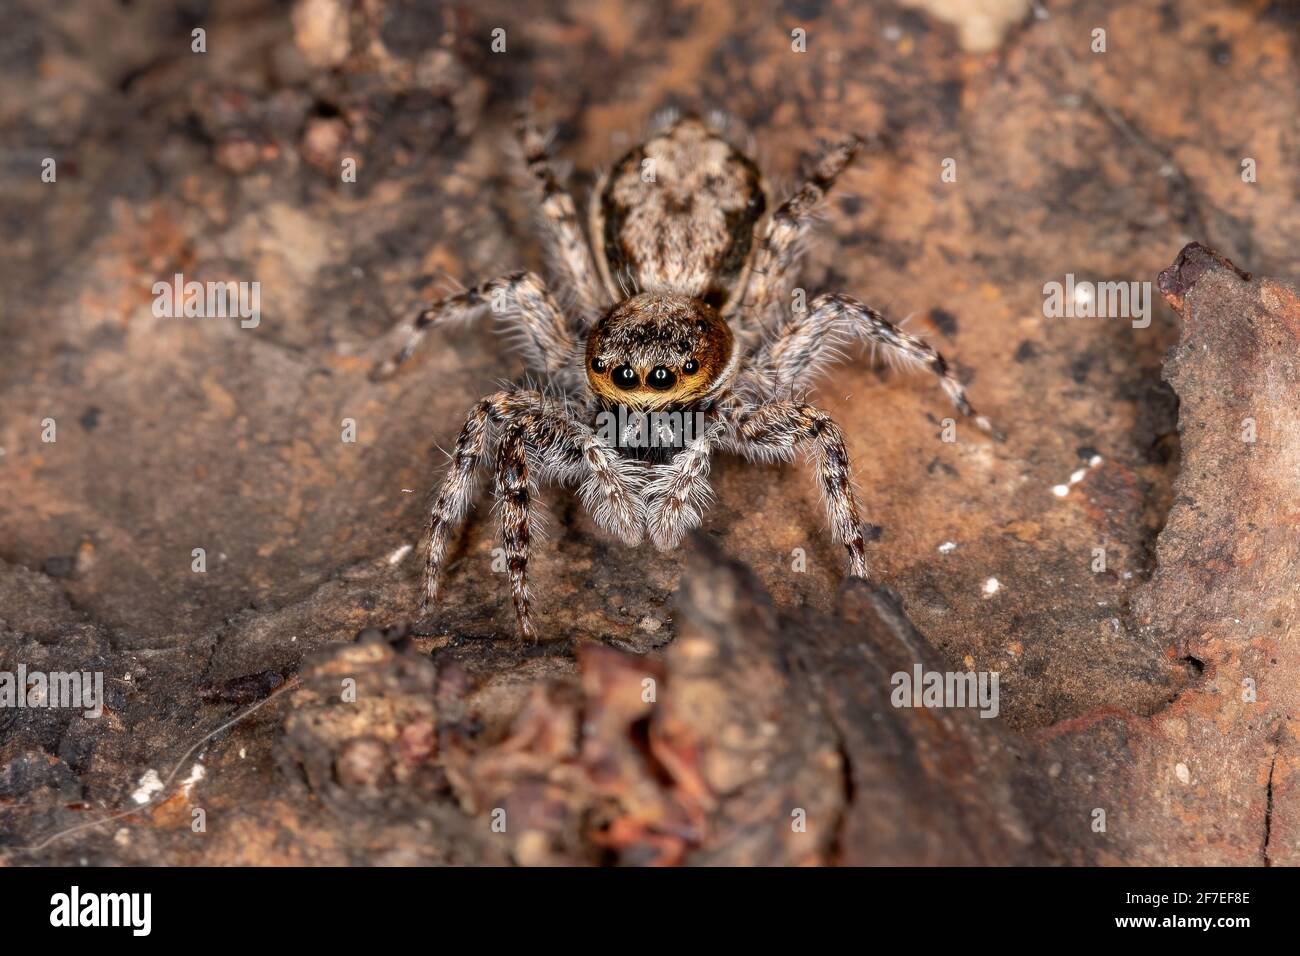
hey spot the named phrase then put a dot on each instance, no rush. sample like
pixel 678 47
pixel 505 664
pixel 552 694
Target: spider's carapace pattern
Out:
pixel 682 303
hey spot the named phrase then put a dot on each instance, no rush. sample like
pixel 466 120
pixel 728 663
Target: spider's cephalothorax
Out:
pixel 660 350
pixel 658 360
pixel 681 325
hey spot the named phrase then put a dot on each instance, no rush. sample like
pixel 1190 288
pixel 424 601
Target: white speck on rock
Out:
pixel 149 784
pixel 991 586
pixel 948 547
pixel 1076 476
pixel 399 554
pixel 197 773
pixel 1182 773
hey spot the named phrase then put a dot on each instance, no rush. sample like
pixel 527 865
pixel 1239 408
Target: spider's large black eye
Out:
pixel 625 377
pixel 691 367
pixel 660 378
pixel 597 366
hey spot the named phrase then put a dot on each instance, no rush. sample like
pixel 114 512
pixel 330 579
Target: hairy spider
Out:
pixel 683 315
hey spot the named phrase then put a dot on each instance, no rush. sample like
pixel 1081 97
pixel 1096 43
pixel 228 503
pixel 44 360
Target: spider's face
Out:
pixel 659 350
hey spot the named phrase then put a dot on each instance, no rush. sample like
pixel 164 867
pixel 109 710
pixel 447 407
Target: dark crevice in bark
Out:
pixel 835 850
pixel 1268 811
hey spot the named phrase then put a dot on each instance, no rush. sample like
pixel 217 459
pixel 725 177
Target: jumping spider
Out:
pixel 685 308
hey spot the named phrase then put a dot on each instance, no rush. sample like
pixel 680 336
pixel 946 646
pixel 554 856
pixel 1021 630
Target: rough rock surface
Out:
pixel 1121 689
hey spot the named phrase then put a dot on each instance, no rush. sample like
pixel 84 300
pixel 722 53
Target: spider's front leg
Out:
pixel 778 430
pixel 521 300
pixel 515 505
pixel 610 490
pixel 565 448
pixel 806 343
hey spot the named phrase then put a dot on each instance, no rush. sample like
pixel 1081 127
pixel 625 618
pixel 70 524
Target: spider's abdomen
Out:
pixel 677 214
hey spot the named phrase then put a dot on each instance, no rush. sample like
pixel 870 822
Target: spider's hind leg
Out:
pixel 781 247
pixel 567 242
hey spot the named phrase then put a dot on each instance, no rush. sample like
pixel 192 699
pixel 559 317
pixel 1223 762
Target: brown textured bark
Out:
pixel 1121 690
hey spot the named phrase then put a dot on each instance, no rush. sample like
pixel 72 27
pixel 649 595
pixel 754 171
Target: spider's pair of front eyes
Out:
pixel 660 377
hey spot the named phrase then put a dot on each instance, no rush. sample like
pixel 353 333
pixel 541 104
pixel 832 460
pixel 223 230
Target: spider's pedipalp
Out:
pixel 611 491
pixel 677 495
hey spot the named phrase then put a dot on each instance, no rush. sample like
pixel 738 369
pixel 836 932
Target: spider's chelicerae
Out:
pixel 682 318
